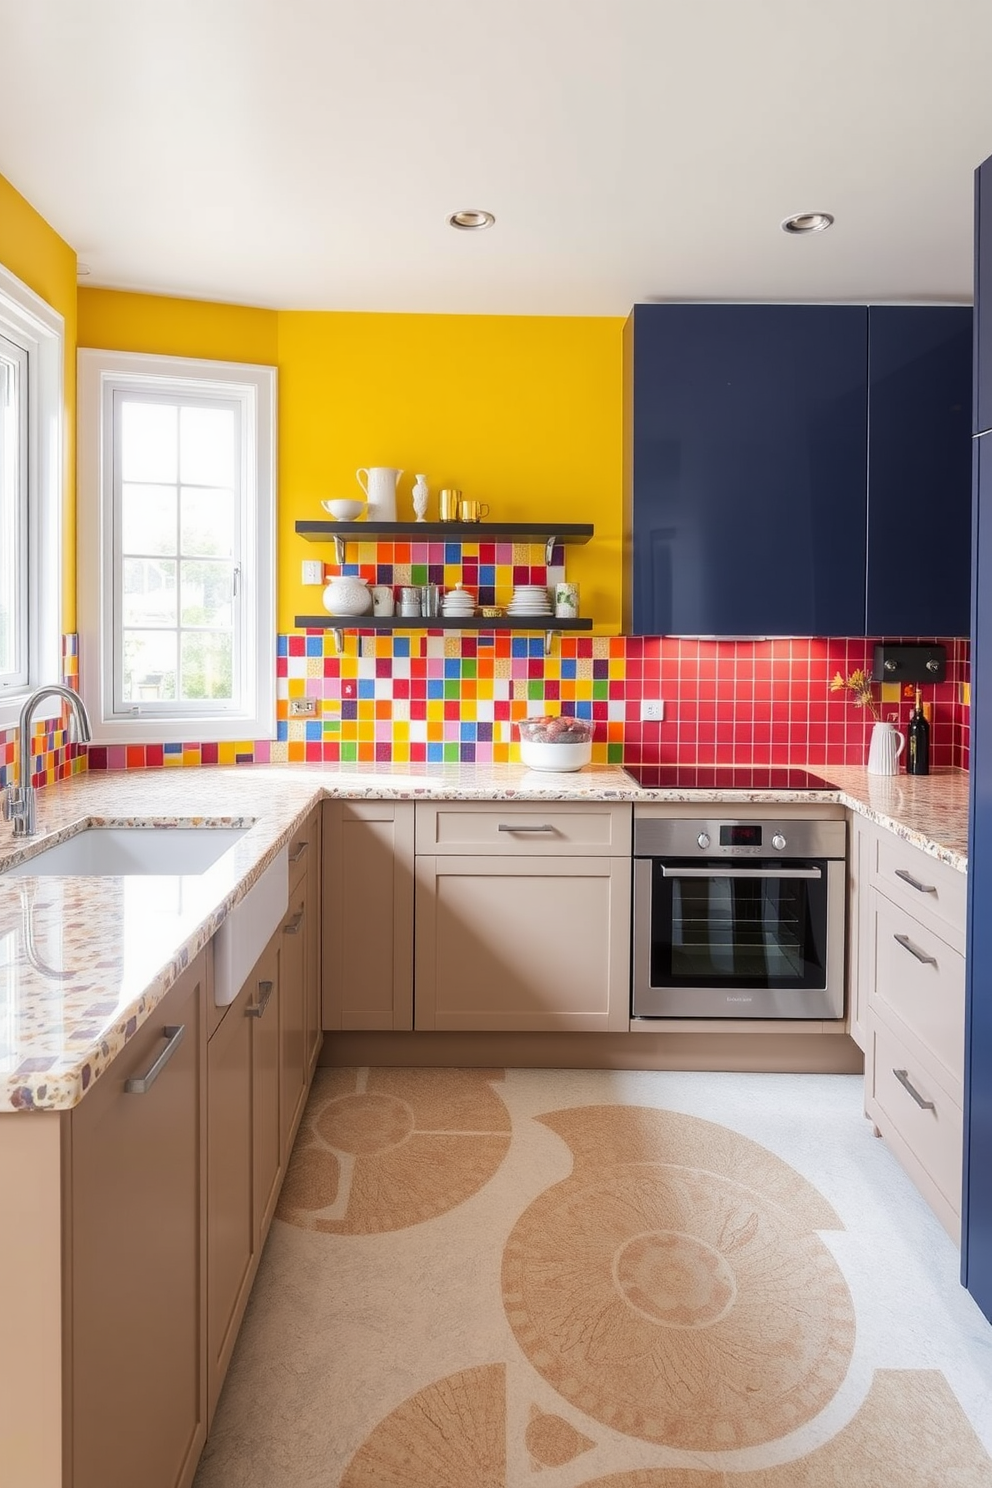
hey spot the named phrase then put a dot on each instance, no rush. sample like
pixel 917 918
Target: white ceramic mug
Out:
pixel 383 599
pixel 887 744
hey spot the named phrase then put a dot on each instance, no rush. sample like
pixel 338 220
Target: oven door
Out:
pixel 738 938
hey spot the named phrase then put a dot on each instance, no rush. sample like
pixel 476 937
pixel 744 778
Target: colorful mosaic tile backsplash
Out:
pixel 52 756
pixel 427 697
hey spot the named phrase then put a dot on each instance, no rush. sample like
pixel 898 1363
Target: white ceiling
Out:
pixel 304 154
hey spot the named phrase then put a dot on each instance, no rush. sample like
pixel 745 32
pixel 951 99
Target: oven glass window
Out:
pixel 721 929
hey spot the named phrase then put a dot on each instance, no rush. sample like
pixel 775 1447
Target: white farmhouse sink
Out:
pixel 122 851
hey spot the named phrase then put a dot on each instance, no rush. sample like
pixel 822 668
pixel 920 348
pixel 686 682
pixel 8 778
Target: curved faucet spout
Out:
pixel 19 798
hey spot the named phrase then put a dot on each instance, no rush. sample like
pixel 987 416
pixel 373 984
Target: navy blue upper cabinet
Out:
pixel 919 470
pixel 749 503
pixel 982 420
pixel 746 456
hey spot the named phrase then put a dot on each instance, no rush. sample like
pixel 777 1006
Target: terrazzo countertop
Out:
pixel 84 961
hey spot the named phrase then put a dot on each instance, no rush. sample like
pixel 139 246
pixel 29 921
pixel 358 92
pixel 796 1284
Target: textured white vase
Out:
pixel 347 595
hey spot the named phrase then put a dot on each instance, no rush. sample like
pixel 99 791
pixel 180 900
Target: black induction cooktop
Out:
pixel 726 777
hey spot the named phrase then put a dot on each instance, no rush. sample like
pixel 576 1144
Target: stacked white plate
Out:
pixel 458 602
pixel 529 599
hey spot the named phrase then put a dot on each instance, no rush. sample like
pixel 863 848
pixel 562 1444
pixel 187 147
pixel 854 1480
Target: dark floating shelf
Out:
pixel 522 532
pixel 438 622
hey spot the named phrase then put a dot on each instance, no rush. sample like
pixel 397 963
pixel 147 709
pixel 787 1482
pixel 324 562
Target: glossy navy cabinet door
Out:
pixel 976 1216
pixel 983 298
pixel 976 1219
pixel 919 470
pixel 745 463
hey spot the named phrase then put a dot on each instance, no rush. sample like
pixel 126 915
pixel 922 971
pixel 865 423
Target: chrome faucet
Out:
pixel 19 800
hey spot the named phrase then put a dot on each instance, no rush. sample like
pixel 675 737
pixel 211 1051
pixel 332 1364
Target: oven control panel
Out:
pixel 685 837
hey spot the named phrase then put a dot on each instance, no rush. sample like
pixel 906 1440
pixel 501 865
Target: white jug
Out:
pixel 379 486
pixel 887 744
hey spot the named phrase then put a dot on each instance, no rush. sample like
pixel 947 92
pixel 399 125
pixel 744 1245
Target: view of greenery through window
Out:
pixel 178 549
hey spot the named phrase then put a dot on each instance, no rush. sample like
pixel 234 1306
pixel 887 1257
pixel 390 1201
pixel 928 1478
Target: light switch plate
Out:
pixel 652 710
pixel 305 707
pixel 313 571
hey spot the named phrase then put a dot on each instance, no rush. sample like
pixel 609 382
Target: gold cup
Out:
pixel 447 504
pixel 473 511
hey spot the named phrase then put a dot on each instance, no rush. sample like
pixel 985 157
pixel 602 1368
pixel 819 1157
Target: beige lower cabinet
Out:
pixel 858 931
pixel 914 1067
pixel 136 1405
pixel 232 1242
pixel 523 917
pixel 367 921
pixel 260 1060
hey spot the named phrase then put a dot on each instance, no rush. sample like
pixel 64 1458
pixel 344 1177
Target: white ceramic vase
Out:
pixel 887 744
pixel 347 595
pixel 420 498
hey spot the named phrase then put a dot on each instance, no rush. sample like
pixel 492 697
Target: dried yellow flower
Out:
pixel 858 684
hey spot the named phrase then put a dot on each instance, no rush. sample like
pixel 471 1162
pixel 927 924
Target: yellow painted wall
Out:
pixel 33 250
pixel 114 320
pixel 522 412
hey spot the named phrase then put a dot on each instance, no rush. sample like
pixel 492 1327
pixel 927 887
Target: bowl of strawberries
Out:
pixel 555 742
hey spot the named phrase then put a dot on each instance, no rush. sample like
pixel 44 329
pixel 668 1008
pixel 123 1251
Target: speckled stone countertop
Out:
pixel 83 961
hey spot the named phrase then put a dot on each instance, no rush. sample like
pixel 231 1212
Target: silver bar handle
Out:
pixel 295 857
pixel 142 1085
pixel 257 1009
pixel 903 1077
pixel 908 878
pixel 720 872
pixel 293 928
pixel 509 827
pixel 908 945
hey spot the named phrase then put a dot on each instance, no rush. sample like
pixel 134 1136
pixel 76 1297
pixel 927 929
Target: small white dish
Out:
pixel 344 510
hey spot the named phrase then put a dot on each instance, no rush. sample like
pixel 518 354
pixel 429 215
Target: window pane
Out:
pixel 13 515
pixel 148 519
pixel 206 594
pixel 208 522
pixel 206 443
pixel 149 665
pixel 149 596
pixel 149 442
pixel 8 520
pixel 207 670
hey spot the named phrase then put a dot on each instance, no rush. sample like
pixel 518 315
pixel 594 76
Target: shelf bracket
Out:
pixel 336 631
pixel 549 548
pixel 549 636
pixel 341 551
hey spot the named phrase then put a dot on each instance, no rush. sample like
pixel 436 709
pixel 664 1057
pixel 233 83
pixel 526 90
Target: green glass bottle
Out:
pixel 918 741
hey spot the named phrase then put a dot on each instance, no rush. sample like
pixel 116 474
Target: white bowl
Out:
pixel 555 756
pixel 344 511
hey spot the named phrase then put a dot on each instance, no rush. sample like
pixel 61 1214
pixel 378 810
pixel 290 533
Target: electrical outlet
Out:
pixel 305 707
pixel 652 710
pixel 313 571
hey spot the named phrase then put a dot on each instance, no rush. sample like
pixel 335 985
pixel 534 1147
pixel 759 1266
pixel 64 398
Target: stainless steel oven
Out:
pixel 738 918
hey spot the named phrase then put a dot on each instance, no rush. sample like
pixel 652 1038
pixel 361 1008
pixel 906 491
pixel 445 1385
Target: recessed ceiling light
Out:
pixel 807 222
pixel 471 220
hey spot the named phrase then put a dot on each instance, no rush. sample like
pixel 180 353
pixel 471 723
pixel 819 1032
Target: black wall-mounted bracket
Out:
pixel 917 664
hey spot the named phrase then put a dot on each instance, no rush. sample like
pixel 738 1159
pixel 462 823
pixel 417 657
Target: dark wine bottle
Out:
pixel 918 741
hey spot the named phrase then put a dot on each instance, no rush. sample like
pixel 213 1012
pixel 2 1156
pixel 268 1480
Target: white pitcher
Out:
pixel 887 744
pixel 379 486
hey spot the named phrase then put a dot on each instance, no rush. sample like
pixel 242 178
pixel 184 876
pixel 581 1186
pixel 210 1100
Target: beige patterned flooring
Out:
pixel 471 1286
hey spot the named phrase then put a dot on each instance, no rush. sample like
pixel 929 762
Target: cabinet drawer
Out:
pixel 523 829
pixel 927 995
pixel 929 889
pixel 932 1136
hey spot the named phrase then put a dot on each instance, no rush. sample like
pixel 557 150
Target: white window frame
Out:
pixel 101 375
pixel 39 330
